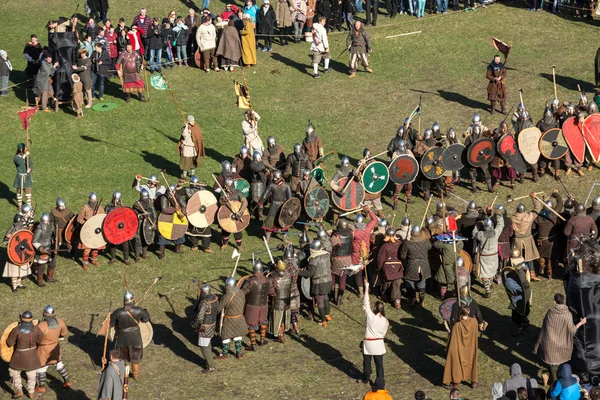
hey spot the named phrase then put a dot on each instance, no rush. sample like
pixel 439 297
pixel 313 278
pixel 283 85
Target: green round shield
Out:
pixel 104 106
pixel 375 177
pixel 243 186
pixel 318 174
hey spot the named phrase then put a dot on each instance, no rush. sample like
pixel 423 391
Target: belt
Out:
pixel 503 242
pixel 25 174
pixel 234 316
pixel 392 262
pixel 374 338
pixel 522 237
pixel 30 348
pixel 488 255
pixel 130 329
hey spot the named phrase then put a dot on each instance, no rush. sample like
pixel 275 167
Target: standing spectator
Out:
pixel 392 8
pixel 566 387
pixel 122 40
pixel 442 6
pixel 167 39
pixel 251 9
pixel 42 88
pixel 101 39
pixel 358 7
pixel 171 18
pixel 230 10
pixel 32 53
pixel 84 69
pixel 180 32
pixel 298 18
pixel 336 15
pixel 323 9
pixel 516 381
pixel 5 68
pixel 349 9
pixel 421 8
pixel 205 4
pixel 267 20
pixel 100 66
pixel 155 45
pixel 111 38
pixel 372 11
pixel 555 343
pixel 102 9
pixel 373 347
pixel 87 44
pixel 206 36
pixel 230 47
pixel 192 22
pixel 135 38
pixel 248 43
pixel 77 92
pixel 91 29
pixel 143 21
pixel 463 352
pixel 120 26
pixel 283 16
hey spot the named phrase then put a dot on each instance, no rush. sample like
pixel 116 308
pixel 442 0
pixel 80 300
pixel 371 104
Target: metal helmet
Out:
pixel 271 141
pixel 322 234
pixel 256 156
pixel 230 282
pixel 525 115
pixel 401 145
pixel 405 221
pixel 49 310
pixel 471 206
pixel 225 167
pixel 502 209
pixel 26 208
pixel 128 297
pixel 460 262
pixel 307 173
pixel 569 203
pixel 476 118
pixel 548 204
pixel 451 134
pixel 521 208
pixel 310 129
pixel 257 267
pixel 400 132
pixel 555 104
pixel 593 108
pixel 277 175
pixel 406 121
pixel 60 203
pixel 288 252
pixel 436 128
pixel 440 205
pixel 488 225
pixel 514 253
pixel 583 100
pixel 205 289
pixel 415 230
pixel 345 161
pixel 366 153
pixel 596 204
pixel 570 108
pixel 172 187
pixel 153 179
pixel 93 196
pixel 116 195
pixel 194 179
pixel 26 316
pixel 45 218
pixel 243 150
pixel 359 219
pixel 144 194
pixel 18 218
pixel 547 111
pixel 427 134
pixel 304 238
pixel 383 222
pixel 297 148
pixel 476 129
pixel 342 224
pixel 316 245
pixel 430 220
pixel 580 208
pixel 229 182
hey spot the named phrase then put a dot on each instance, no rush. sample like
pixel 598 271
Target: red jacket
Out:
pixel 225 14
pixel 136 44
pixel 362 236
pixel 112 46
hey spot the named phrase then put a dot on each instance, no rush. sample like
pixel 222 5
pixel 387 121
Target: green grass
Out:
pixel 445 64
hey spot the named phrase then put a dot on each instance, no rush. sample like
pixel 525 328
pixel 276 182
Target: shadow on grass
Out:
pixel 161 163
pixel 89 343
pixel 463 100
pixel 570 83
pixel 7 194
pixel 171 138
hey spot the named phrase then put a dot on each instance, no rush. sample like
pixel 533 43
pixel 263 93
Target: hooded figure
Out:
pixel 230 47
pixel 566 387
pixel 516 381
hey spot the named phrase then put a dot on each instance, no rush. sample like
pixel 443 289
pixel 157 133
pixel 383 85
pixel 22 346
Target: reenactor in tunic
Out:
pixel 128 66
pixel 390 265
pixel 312 145
pixel 548 122
pixel 477 131
pixel 548 229
pixel 234 325
pixel 280 284
pixel 23 182
pixel 341 257
pixel 319 270
pixel 292 263
pixel 232 194
pixel 88 211
pixel 15 272
pixel 297 163
pixel 117 202
pixel 344 171
pixel 396 148
pixel 153 187
pixel 241 163
pixel 59 218
pixel 256 312
pixel 24 338
pixel 43 244
pixel 577 226
pixel 524 242
pixel 258 181
pixel 274 155
pixel 594 212
pixel 145 210
pixel 205 324
pixel 278 192
pixel 487 242
pixel 128 338
pixel 53 329
pixel 170 203
pixel 226 172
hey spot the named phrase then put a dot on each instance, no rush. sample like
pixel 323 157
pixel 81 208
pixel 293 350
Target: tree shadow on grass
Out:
pixel 463 100
pixel 570 83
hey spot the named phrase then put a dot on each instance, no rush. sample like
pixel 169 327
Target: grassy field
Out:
pixel 444 64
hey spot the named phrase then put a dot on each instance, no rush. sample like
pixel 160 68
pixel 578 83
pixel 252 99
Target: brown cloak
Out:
pixel 229 45
pixel 463 353
pixel 198 142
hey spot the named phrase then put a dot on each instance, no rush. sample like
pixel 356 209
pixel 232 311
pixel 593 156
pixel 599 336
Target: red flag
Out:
pixel 26 115
pixel 501 47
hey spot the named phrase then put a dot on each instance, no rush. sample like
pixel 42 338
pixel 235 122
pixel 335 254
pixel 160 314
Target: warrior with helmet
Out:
pixel 474 132
pixel 280 286
pixel 128 338
pixel 128 66
pixel 564 111
pixel 169 203
pixel 88 210
pixel 292 262
pixel 548 229
pixel 519 291
pixel 256 311
pixel 341 257
pixel 297 163
pixel 501 169
pixel 361 237
pixel 523 121
pixel 44 254
pixel 16 273
pixel 344 171
pixel 578 226
pixel 259 173
pixel 153 186
pixel 277 193
pixel 53 329
pixel 445 275
pixel 414 253
pixel 194 233
pixel 450 177
pixel 274 155
pixel 145 211
pixel 28 214
pixel 466 224
pixel 548 122
pixel 487 247
pixel 312 144
pixel 250 132
pixel 504 240
pixel 115 203
pixel 397 147
pixel 524 242
pixel 496 75
pixel 241 163
pixel 230 193
pixel 24 338
pixel 391 267
pixel 372 199
pixel 234 325
pixel 205 324
pixel 59 219
pixel 319 270
pixel 226 172
pixel 594 212
pixel 23 181
pixel 191 147
pixel 403 233
pixel 463 282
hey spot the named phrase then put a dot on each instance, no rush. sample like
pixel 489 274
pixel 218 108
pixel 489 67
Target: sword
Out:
pixel 590 193
pixel 269 250
pixel 563 185
pixel 463 200
pixel 342 53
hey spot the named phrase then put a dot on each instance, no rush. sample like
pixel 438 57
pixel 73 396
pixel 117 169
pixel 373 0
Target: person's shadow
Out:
pixel 463 100
pixel 570 83
pixel 160 163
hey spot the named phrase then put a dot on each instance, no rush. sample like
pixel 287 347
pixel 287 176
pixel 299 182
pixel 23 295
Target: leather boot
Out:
pixel 135 370
pixel 474 186
pixel 136 252
pixel 395 205
pixel 51 275
pixel 280 338
pixel 263 335
pixel 503 107
pixel 178 249
pixel 534 277
pixel 490 187
pixel 295 328
pixel 340 297
pixel 493 107
pixel 534 174
pixel 549 269
pixel 19 393
pixel 542 262
pixel 161 253
pixel 422 299
pixel 568 171
pixel 361 292
pixel 40 276
pixel 144 252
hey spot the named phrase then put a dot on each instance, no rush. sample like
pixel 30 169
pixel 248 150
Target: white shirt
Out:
pixel 320 41
pixel 376 328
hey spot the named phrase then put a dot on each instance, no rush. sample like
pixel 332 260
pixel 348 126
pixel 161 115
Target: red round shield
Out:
pixel 507 147
pixel 351 198
pixel 120 225
pixel 404 169
pixel 20 247
pixel 481 152
pixel 70 230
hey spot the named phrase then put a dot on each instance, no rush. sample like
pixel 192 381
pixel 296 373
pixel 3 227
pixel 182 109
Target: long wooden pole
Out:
pixel 174 98
pixel 146 75
pixel 554 80
pixel 426 211
pixel 549 208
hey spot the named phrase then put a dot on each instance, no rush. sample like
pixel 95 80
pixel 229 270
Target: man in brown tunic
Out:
pixel 579 225
pixel 191 147
pixel 524 242
pixel 548 230
pixel 312 144
pixel 274 155
pixel 233 325
pixel 496 74
pixel 24 338
pixel 88 211
pixel 391 266
pixel 256 312
pixel 128 66
pixel 52 329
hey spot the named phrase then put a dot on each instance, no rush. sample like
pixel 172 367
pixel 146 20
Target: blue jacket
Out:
pixel 566 387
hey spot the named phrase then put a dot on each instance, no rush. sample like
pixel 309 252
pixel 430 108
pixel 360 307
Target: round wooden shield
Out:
pixel 318 174
pixel 289 212
pixel 305 287
pixel 197 59
pixel 202 208
pixel 375 177
pixel 148 231
pixel 224 216
pixel 454 157
pixel 6 352
pixel 432 164
pixel 574 138
pixel 591 134
pixel 146 331
pixel 70 230
pixel 120 225
pixel 553 145
pixel 242 185
pixel 507 147
pixel 316 203
pixel 91 232
pixel 481 152
pixel 352 197
pixel 173 226
pixel 514 290
pixel 529 140
pixel 20 247
pixel 404 169
pixel 446 308
pixel 468 261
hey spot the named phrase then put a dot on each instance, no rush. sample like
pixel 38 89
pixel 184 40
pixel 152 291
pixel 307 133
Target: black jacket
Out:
pixel 154 35
pixel 415 252
pixel 126 323
pixel 100 62
pixel 266 22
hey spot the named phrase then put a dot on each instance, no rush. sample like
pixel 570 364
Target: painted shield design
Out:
pixel 529 140
pixel 318 174
pixel 202 208
pixel 454 157
pixel 591 134
pixel 6 352
pixel 481 152
pixel 120 225
pixel 432 164
pixel 375 177
pixel 148 231
pixel 446 309
pixel 91 232
pixel 553 145
pixel 351 198
pixel 70 230
pixel 507 147
pixel 289 212
pixel 468 261
pixel 20 247
pixel 173 226
pixel 316 203
pixel 242 185
pixel 404 169
pixel 514 290
pixel 574 138
pixel 228 222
